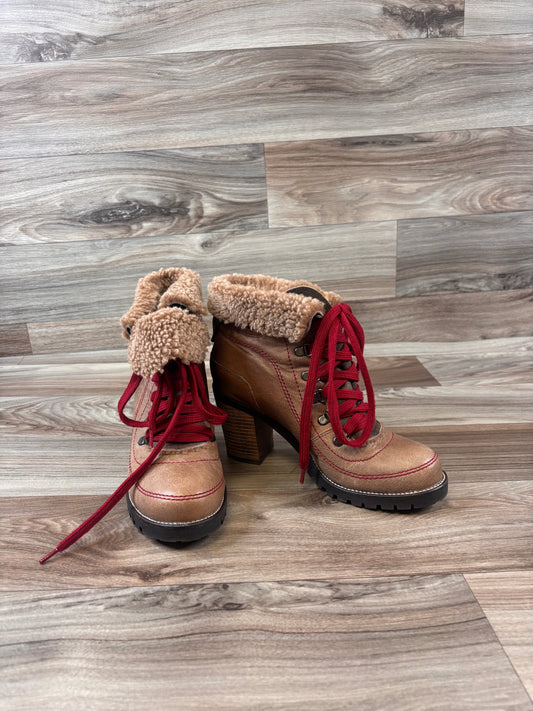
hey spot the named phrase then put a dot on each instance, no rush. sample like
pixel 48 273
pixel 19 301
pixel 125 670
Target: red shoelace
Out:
pixel 180 406
pixel 338 339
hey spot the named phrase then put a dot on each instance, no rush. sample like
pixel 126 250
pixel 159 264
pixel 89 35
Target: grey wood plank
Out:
pixel 86 377
pixel 87 465
pixel 453 405
pixel 481 370
pixel 118 355
pixel 484 17
pixel 95 414
pixel 507 601
pixel 39 465
pixel 258 95
pixel 14 339
pixel 76 335
pixel 447 317
pixel 62 30
pixel 96 279
pixel 474 453
pixel 148 193
pixel 259 645
pixel 473 253
pixel 491 361
pixel 264 538
pixel 403 176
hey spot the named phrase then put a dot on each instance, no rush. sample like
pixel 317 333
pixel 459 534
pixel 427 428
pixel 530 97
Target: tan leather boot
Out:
pixel 175 488
pixel 181 496
pixel 289 356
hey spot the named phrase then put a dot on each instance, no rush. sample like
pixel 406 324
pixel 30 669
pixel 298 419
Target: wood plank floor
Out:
pixel 258 95
pixel 380 149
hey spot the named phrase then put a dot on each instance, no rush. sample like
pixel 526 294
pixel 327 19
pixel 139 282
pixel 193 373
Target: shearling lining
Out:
pixel 158 331
pixel 164 335
pixel 261 303
pixel 163 288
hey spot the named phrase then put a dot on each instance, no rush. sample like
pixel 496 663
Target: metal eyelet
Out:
pixel 336 442
pixel 304 374
pixel 302 351
pixel 319 398
pixel 323 419
pixel 142 440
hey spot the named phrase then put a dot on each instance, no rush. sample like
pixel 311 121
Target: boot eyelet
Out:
pixel 304 374
pixel 336 442
pixel 142 441
pixel 302 351
pixel 323 419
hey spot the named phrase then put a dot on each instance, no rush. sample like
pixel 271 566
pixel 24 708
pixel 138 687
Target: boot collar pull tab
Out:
pixel 312 294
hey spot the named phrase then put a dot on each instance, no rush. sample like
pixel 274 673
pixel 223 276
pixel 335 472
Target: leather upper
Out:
pixel 184 485
pixel 264 374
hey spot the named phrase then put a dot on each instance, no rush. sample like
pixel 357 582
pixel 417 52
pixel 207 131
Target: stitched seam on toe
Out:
pixel 185 497
pixel 393 475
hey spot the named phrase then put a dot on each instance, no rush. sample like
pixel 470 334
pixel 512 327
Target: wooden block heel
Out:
pixel 248 439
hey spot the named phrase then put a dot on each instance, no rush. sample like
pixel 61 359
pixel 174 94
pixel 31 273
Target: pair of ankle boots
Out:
pixel 286 356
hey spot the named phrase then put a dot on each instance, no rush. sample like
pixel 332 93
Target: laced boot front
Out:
pixel 175 488
pixel 289 356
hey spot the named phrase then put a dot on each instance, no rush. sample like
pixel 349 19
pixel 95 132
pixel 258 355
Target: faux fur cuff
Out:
pixel 164 335
pixel 262 304
pixel 159 332
pixel 163 288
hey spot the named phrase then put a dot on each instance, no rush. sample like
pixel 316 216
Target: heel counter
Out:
pixel 228 383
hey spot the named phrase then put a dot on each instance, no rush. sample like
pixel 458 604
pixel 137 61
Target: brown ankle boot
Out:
pixel 289 356
pixel 175 488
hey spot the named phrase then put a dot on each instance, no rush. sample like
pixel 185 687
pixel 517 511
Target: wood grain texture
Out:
pixel 414 626
pixel 484 17
pixel 473 253
pixel 448 317
pixel 83 465
pixel 148 193
pixel 14 339
pixel 258 95
pixel 62 30
pixel 76 335
pixel 132 139
pixel 413 406
pixel 474 453
pixel 507 600
pixel 26 378
pixel 484 362
pixel 482 370
pixel 96 279
pixel 395 177
pixel 263 539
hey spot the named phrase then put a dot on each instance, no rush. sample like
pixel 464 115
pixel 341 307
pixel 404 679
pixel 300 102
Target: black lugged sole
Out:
pixel 177 533
pixel 379 502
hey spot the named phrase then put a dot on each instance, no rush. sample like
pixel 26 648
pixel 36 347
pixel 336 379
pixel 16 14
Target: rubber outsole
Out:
pixel 177 533
pixel 400 503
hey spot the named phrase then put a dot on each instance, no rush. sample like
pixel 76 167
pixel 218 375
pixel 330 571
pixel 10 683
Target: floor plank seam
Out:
pixel 502 646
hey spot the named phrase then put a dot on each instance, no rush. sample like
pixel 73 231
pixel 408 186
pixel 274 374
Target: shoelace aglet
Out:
pixel 302 476
pixel 49 555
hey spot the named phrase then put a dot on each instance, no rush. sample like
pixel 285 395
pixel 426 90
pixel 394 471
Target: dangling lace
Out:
pixel 339 337
pixel 180 406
